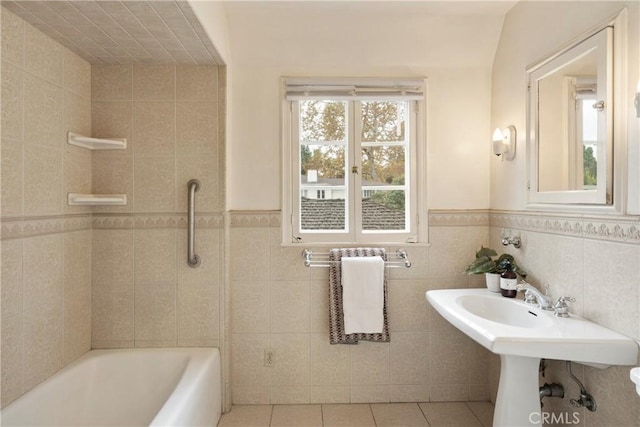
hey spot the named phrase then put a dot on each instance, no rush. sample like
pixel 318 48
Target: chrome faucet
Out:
pixel 561 307
pixel 533 296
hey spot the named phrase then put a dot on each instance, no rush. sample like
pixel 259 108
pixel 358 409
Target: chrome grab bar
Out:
pixel 192 259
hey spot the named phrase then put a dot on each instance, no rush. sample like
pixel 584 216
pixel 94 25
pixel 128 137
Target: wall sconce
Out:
pixel 504 142
pixel 637 101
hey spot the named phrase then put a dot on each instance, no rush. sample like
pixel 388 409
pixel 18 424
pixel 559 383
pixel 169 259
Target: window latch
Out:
pixel 354 169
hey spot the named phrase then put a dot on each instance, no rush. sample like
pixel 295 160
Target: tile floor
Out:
pixel 463 414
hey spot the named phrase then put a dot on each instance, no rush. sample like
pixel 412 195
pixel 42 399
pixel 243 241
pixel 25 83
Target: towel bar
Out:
pixel 401 259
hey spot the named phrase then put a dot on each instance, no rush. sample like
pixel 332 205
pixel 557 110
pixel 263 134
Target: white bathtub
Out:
pixel 133 387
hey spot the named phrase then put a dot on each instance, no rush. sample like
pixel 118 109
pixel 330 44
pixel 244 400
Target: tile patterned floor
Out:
pixel 462 414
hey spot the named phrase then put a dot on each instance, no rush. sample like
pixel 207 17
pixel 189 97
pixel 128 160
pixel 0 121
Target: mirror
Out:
pixel 570 124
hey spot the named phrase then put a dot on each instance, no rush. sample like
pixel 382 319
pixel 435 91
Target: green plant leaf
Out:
pixel 485 252
pixel 481 265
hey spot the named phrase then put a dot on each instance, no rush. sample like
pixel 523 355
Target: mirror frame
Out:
pixel 610 198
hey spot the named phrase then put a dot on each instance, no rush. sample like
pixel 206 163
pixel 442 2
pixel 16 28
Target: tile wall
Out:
pixel 279 304
pixel 596 261
pixel 75 278
pixel 144 294
pixel 46 245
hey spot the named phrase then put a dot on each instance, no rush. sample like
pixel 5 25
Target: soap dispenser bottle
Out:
pixel 508 281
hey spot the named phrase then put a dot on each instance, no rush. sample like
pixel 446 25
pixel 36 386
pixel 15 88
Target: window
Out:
pixel 353 147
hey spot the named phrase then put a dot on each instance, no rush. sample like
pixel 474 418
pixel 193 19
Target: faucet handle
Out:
pixel 546 289
pixel 561 307
pixel 529 297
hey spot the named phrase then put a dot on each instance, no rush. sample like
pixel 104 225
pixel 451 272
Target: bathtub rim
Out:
pixel 199 360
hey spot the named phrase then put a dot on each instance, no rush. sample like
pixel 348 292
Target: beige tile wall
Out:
pixel 604 278
pixel 279 304
pixel 46 271
pixel 144 294
pixel 115 286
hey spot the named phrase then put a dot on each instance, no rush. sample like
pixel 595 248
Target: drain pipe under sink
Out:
pixel 551 390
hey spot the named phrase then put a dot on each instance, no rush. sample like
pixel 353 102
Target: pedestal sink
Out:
pixel 523 334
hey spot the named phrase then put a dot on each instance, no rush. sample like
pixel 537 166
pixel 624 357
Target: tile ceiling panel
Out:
pixel 122 32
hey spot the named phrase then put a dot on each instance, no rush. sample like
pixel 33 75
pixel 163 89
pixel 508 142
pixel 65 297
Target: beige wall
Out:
pixel 453 51
pixel 74 277
pixel 46 245
pixel 279 304
pixel 129 261
pixel 586 259
pixel 144 294
pixel 594 259
pixel 531 31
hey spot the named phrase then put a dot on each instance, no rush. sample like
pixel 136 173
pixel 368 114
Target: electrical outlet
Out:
pixel 269 357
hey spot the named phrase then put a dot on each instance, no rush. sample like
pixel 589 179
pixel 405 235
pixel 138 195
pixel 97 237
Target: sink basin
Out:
pixel 523 334
pixel 509 326
pixel 504 311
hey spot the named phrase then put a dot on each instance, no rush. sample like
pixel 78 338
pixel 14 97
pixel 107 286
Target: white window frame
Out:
pixel 415 158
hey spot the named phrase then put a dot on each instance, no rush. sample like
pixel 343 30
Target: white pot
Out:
pixel 493 281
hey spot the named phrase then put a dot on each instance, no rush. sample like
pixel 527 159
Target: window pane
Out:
pixel 383 209
pixel 322 187
pixel 589 121
pixel 322 164
pixel 322 120
pixel 383 165
pixel 383 121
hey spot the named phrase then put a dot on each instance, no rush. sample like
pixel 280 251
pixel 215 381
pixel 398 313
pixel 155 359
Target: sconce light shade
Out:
pixel 504 142
pixel 637 100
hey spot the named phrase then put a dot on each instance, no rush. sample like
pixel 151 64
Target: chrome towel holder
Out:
pixel 400 259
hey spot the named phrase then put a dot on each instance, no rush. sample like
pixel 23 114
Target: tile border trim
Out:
pixel 464 217
pixel 23 227
pixel 265 218
pixel 622 229
pixel 15 228
pixel 154 221
pixel 625 229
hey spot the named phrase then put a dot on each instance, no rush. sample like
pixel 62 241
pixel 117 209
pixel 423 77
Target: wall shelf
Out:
pixel 96 143
pixel 96 199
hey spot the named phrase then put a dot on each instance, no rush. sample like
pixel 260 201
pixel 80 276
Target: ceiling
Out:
pixel 111 32
pixel 452 33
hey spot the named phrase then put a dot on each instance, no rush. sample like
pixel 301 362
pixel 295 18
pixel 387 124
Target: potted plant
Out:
pixel 484 263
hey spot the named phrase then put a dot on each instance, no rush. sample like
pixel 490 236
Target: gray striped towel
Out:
pixel 336 314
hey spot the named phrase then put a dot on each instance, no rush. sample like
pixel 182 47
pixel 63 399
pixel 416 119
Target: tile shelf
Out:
pixel 74 199
pixel 96 143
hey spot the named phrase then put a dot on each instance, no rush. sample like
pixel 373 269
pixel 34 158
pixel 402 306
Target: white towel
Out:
pixel 363 294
